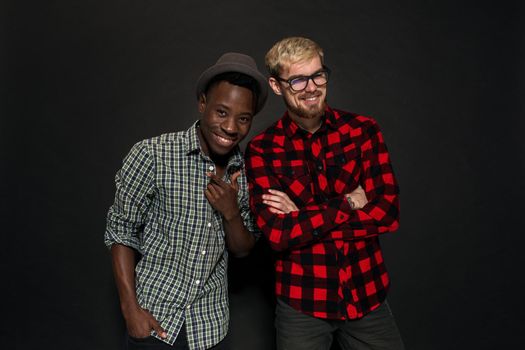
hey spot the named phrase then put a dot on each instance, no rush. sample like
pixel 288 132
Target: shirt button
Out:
pixel 197 282
pixel 188 307
pixel 209 224
pixel 319 167
pixel 315 233
pixel 211 168
pixel 203 252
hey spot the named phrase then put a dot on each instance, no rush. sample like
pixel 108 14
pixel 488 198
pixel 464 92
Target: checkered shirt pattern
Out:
pixel 329 262
pixel 161 211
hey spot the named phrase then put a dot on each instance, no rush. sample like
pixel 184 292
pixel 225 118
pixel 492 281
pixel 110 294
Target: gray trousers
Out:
pixel 297 331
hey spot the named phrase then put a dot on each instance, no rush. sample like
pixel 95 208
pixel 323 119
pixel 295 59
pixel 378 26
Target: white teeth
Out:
pixel 224 140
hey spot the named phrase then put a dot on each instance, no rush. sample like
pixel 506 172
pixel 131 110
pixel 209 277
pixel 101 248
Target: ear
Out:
pixel 202 103
pixel 274 84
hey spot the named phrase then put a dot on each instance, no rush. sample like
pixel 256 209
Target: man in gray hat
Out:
pixel 181 205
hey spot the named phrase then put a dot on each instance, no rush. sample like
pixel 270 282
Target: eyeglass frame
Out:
pixel 325 69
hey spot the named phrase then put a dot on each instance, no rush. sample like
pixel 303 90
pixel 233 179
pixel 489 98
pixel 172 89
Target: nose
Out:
pixel 310 85
pixel 229 126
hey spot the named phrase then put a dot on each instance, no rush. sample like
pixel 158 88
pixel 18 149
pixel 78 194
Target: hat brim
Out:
pixel 220 68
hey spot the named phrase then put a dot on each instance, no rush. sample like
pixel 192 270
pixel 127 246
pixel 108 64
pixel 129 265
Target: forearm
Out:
pixel 123 260
pixel 238 239
pixel 377 217
pixel 302 227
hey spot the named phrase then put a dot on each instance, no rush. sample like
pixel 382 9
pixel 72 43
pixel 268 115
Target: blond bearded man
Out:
pixel 322 190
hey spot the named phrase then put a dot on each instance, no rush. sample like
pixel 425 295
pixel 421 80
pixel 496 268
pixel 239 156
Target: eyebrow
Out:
pixel 302 76
pixel 250 113
pixel 222 105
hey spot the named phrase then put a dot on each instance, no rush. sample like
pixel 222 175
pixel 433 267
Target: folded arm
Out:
pixel 335 218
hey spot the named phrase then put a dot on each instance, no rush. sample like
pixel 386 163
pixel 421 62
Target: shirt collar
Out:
pixel 291 129
pixel 193 143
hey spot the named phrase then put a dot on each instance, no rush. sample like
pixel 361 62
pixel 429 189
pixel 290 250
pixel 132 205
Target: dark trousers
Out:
pixel 297 331
pixel 181 343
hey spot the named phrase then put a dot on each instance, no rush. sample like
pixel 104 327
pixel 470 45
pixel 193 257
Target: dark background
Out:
pixel 83 81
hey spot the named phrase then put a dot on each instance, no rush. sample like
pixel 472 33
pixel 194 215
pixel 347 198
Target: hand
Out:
pixel 357 197
pixel 140 322
pixel 223 196
pixel 279 202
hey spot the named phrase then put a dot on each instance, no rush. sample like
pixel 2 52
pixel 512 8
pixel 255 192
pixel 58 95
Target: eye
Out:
pixel 298 80
pixel 221 112
pixel 245 119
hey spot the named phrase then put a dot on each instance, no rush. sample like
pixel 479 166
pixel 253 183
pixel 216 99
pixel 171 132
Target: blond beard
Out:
pixel 304 113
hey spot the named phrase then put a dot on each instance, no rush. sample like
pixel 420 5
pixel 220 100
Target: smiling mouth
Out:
pixel 224 141
pixel 311 99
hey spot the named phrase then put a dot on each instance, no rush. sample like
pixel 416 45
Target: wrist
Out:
pixel 129 307
pixel 350 201
pixel 232 216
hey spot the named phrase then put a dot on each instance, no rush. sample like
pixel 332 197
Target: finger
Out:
pixel 273 204
pixel 233 180
pixel 284 208
pixel 208 195
pixel 275 211
pixel 235 176
pixel 279 193
pixel 285 199
pixel 285 202
pixel 157 328
pixel 271 197
pixel 215 190
pixel 281 199
pixel 214 179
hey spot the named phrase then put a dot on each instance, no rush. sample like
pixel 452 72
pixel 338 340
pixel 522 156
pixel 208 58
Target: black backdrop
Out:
pixel 85 80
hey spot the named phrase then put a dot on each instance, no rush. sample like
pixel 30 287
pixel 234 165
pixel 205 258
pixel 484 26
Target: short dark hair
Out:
pixel 238 79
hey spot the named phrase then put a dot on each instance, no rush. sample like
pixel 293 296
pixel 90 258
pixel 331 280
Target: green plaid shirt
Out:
pixel 161 211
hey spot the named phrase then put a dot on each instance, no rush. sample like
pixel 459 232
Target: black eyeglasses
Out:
pixel 300 83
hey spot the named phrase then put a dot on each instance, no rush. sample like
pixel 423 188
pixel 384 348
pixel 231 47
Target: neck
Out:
pixel 309 124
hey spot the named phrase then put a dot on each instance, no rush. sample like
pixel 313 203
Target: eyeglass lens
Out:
pixel 300 83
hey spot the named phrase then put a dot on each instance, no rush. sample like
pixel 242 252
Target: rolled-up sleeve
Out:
pixel 134 192
pixel 244 207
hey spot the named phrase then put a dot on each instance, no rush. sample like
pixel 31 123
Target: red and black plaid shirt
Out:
pixel 329 262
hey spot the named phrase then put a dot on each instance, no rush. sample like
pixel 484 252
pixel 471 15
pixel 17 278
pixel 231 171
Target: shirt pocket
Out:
pixel 343 172
pixel 294 179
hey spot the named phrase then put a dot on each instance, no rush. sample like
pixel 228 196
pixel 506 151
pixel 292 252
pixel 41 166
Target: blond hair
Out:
pixel 291 50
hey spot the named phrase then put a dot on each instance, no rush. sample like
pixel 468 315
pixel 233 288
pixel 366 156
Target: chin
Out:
pixel 221 151
pixel 312 113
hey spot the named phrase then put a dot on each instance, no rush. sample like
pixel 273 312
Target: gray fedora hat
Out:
pixel 235 62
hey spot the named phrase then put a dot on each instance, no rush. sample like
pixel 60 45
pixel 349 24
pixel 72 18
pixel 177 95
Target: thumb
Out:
pixel 157 328
pixel 233 180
